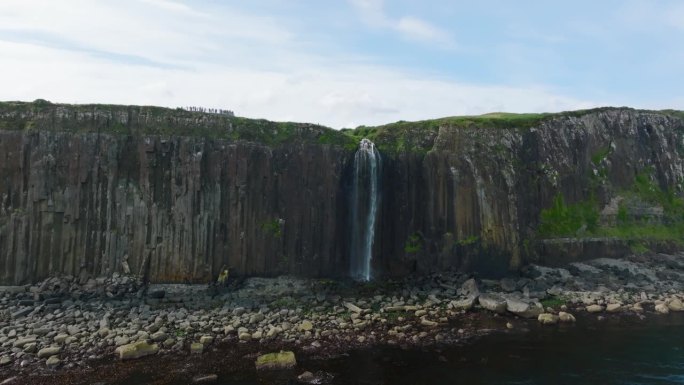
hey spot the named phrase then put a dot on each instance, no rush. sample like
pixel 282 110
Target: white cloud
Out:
pixel 410 27
pixel 212 59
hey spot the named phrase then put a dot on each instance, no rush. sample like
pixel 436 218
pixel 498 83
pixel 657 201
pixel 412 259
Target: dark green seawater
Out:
pixel 613 351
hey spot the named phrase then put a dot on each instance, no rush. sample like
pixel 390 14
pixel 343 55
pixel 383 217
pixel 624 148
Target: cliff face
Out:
pixel 475 199
pixel 83 189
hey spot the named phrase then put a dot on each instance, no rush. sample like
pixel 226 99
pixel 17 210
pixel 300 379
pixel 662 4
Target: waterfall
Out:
pixel 365 196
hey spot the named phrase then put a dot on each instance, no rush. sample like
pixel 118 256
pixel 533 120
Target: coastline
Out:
pixel 317 319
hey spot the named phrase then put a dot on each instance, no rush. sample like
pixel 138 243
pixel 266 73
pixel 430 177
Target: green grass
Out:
pixel 553 302
pixel 562 219
pixel 414 244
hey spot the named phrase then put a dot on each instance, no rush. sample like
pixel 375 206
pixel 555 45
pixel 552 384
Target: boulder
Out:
pixel 547 319
pixel 662 308
pixel 306 326
pixel 675 304
pixel 353 308
pixel 48 352
pixel 53 362
pixel 5 361
pixel 492 303
pixel 276 361
pixel 196 348
pixel 523 309
pixel 464 304
pixel 594 308
pixel 613 308
pixel 566 317
pixel 469 288
pixel 136 350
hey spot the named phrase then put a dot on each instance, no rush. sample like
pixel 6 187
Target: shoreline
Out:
pixel 318 319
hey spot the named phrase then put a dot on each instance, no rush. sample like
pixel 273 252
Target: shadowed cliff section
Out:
pixel 85 187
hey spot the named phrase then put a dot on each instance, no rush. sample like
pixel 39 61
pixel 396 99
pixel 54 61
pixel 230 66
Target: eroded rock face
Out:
pixel 77 198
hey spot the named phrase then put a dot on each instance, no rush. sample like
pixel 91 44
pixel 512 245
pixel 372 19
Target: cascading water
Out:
pixel 365 197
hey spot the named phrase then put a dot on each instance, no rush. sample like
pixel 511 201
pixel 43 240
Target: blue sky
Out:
pixel 349 62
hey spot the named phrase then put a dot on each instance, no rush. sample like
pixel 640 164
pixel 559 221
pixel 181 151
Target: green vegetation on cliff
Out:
pixel 661 220
pixel 150 120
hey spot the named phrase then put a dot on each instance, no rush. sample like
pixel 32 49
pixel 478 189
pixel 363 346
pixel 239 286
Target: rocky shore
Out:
pixel 73 324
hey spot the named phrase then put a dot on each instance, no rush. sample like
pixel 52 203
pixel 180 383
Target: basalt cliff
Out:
pixel 89 190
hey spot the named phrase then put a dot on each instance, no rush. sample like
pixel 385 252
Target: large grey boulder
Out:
pixel 524 309
pixel 492 303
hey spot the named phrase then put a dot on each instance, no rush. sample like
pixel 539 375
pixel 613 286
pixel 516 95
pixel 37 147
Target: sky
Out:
pixel 344 63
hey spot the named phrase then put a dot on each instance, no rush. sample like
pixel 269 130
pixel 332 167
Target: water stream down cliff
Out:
pixel 365 199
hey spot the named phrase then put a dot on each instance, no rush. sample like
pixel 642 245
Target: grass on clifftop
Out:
pixel 150 120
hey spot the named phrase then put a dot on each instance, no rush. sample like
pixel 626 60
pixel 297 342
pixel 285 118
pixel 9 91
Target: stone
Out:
pixel 53 362
pixel 675 304
pixel 244 336
pixel 276 361
pixel 49 351
pixel 566 317
pixel 306 326
pixel 158 336
pixel 662 308
pixel 594 308
pixel 60 338
pixel 22 312
pixel 613 307
pixel 257 335
pixel 136 350
pixel 469 288
pixel 206 340
pixel 464 304
pixel 426 322
pixel 205 379
pixel 492 303
pixel 196 348
pixel 306 377
pixel 547 319
pixel 353 308
pixel 4 360
pixel 523 309
pixel 20 342
pixel 420 313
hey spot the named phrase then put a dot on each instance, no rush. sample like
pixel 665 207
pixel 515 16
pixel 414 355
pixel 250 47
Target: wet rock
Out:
pixel 49 351
pixel 523 309
pixel 547 319
pixel 19 343
pixel 427 322
pixel 613 307
pixel 4 360
pixel 464 304
pixel 276 361
pixel 306 377
pixel 566 317
pixel 469 288
pixel 492 303
pixel 196 348
pixel 22 312
pixel 136 350
pixel 662 308
pixel 206 340
pixel 594 308
pixel 675 304
pixel 244 336
pixel 306 326
pixel 53 362
pixel 353 308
